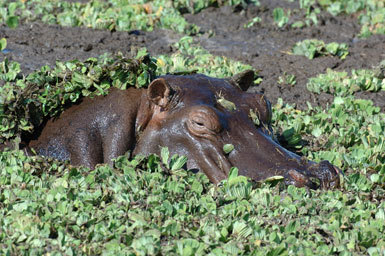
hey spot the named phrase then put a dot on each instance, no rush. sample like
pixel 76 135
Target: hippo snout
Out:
pixel 258 156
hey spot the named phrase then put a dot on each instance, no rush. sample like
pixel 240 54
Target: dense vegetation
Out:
pixel 146 206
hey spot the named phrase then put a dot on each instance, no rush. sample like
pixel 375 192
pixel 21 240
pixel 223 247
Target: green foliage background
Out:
pixel 146 206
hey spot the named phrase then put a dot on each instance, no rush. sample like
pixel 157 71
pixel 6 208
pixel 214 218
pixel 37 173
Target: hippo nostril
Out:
pixel 338 171
pixel 299 179
pixel 326 173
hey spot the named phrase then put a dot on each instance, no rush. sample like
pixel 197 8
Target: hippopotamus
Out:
pixel 193 115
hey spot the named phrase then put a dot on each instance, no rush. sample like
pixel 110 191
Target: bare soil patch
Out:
pixel 37 44
pixel 266 47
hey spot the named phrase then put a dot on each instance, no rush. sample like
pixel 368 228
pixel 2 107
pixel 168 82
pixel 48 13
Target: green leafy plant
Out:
pixel 341 84
pixel 288 79
pixel 311 11
pixel 175 163
pixel 8 13
pixel 112 14
pixel 280 18
pixel 195 6
pixel 138 207
pixel 350 132
pixel 370 13
pixel 373 21
pixel 3 44
pixel 252 22
pixel 192 58
pixel 312 48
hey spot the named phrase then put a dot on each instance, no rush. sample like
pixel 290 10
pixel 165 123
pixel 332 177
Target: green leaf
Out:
pixel 12 21
pixel 3 44
pixel 252 22
pixel 317 131
pixel 375 178
pixel 332 48
pixel 253 115
pixel 227 148
pixel 142 52
pixel 165 154
pixel 177 162
pixel 241 229
pixel 229 105
pixel 233 173
pixel 280 17
pixel 312 48
pixel 274 178
pixel 338 100
pixel 298 24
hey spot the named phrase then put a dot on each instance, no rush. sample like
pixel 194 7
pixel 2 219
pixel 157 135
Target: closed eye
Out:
pixel 199 123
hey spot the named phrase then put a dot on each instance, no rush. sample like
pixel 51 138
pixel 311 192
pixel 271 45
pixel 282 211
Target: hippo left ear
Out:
pixel 158 92
pixel 243 80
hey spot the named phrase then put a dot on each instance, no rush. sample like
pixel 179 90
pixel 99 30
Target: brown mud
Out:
pixel 264 46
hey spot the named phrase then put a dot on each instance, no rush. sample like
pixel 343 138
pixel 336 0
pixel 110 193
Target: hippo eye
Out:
pixel 203 121
pixel 198 118
pixel 198 123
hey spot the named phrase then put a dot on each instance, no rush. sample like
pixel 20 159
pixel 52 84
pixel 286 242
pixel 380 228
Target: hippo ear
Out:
pixel 158 92
pixel 243 80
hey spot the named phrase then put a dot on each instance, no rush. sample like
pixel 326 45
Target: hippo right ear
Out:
pixel 158 92
pixel 243 80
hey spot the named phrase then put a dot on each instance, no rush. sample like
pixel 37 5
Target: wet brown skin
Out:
pixel 182 113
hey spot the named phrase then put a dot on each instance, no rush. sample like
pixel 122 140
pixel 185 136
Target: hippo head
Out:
pixel 196 115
